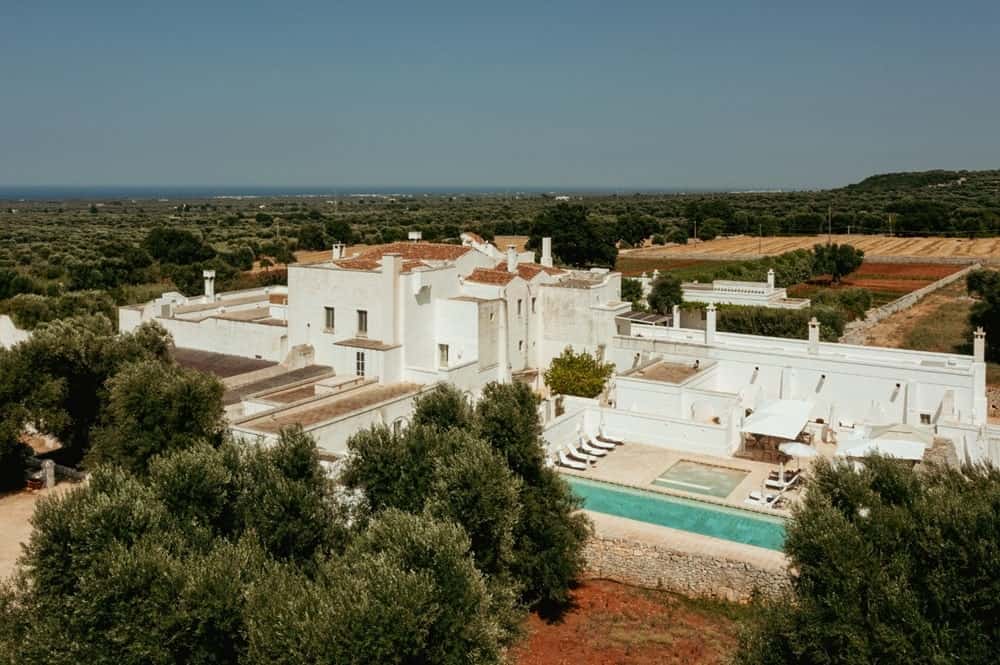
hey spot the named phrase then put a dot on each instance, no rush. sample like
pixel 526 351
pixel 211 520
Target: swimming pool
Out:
pixel 739 526
pixel 688 476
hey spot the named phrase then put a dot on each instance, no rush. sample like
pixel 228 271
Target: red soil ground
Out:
pixel 925 271
pixel 613 624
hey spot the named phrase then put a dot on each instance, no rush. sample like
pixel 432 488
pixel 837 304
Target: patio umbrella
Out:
pixel 796 450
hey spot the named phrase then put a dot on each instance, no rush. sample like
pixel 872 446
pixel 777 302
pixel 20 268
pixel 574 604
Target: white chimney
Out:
pixel 547 252
pixel 979 345
pixel 209 276
pixel 392 265
pixel 813 336
pixel 338 251
pixel 710 324
pixel 770 280
pixel 511 258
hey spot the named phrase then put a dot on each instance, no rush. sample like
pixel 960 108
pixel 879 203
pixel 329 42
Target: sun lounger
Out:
pixel 776 484
pixel 756 499
pixel 579 455
pixel 608 438
pixel 570 464
pixel 596 443
pixel 591 450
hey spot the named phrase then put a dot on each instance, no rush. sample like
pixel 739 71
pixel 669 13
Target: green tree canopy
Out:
pixel 665 293
pixel 837 260
pixel 893 566
pixel 580 374
pixel 56 380
pixel 576 239
pixel 154 408
pixel 631 290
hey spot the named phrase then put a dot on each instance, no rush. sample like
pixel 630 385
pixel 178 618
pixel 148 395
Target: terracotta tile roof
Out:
pixel 373 264
pixel 487 276
pixel 417 251
pixel 529 271
pixel 410 265
pixel 357 264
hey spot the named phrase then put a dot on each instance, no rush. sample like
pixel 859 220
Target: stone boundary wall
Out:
pixel 855 332
pixel 693 575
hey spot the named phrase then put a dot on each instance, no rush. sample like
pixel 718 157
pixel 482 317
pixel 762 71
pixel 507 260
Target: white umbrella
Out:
pixel 796 450
pixel 907 450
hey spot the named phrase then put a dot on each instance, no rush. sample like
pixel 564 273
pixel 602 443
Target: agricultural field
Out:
pixel 885 281
pixel 874 246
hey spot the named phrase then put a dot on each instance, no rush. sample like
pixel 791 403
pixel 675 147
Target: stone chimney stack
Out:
pixel 338 251
pixel 770 280
pixel 209 276
pixel 511 258
pixel 710 324
pixel 547 252
pixel 813 336
pixel 979 345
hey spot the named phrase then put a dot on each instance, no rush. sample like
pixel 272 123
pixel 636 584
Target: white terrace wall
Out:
pixel 855 332
pixel 10 334
pixel 646 428
pixel 237 338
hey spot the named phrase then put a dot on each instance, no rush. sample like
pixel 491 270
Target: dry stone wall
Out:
pixel 693 575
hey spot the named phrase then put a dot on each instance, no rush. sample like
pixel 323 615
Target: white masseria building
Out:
pixel 352 340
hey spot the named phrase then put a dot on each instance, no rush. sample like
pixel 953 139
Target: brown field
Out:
pixel 616 624
pixel 873 246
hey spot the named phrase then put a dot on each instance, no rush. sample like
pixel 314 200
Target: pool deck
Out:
pixel 637 465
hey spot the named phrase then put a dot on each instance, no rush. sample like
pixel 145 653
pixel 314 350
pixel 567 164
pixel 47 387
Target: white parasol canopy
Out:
pixel 898 448
pixel 796 449
pixel 781 418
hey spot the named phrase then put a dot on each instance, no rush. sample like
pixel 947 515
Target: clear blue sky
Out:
pixel 559 94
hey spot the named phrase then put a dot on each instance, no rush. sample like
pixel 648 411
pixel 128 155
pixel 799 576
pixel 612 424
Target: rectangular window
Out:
pixel 442 355
pixel 533 305
pixel 359 363
pixel 362 323
pixel 925 419
pixel 519 307
pixel 330 319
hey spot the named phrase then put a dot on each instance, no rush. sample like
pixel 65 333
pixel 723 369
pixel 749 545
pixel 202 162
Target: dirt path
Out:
pixel 616 624
pixel 15 523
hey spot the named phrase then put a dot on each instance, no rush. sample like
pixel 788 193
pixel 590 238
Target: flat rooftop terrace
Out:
pixel 664 372
pixel 329 408
pixel 219 364
pixel 235 395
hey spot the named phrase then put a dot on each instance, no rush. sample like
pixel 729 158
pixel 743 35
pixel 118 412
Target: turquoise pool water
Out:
pixel 739 526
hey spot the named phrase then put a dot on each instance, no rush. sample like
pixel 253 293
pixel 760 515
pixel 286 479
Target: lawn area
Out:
pixel 614 623
pixel 944 329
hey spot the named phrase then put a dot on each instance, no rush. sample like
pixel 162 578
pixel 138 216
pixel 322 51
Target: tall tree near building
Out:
pixel 580 374
pixel 665 293
pixel 576 239
pixel 155 408
pixel 985 284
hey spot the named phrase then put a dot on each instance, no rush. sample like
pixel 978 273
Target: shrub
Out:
pixel 580 374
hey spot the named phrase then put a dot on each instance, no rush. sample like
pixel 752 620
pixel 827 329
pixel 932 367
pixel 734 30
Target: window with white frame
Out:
pixel 330 319
pixel 519 307
pixel 359 363
pixel 442 355
pixel 533 299
pixel 362 323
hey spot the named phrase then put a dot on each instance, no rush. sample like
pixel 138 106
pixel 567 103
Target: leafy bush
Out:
pixel 771 322
pixel 13 456
pixel 853 302
pixel 665 293
pixel 892 566
pixel 580 374
pixel 28 311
